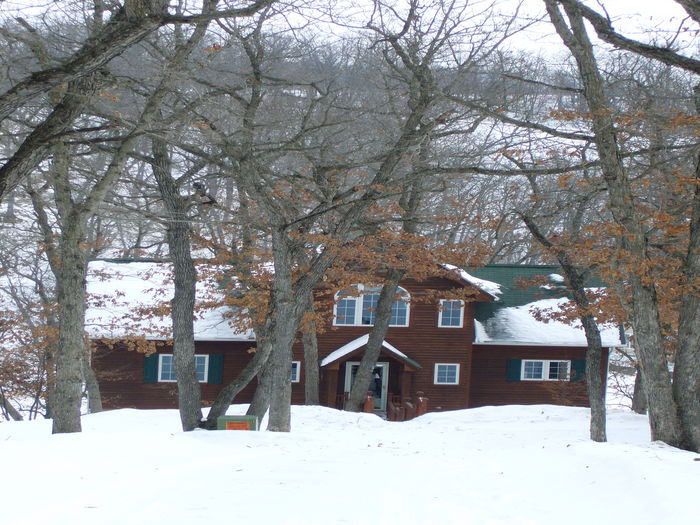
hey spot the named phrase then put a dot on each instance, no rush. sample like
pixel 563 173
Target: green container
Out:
pixel 237 423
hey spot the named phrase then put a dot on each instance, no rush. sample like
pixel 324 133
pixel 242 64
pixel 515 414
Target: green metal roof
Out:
pixel 513 293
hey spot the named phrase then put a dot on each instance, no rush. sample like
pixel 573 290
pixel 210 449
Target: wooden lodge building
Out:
pixel 458 354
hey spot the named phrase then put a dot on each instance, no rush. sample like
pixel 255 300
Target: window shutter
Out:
pixel 513 367
pixel 150 368
pixel 216 369
pixel 578 369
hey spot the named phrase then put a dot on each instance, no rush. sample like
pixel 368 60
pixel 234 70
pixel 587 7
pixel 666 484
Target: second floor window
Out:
pixel 451 314
pixel 360 308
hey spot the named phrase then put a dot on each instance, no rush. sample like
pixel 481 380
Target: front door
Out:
pixel 378 384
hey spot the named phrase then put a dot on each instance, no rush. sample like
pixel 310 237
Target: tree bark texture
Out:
pixel 663 412
pixel 261 399
pixel 70 288
pixel 639 397
pixel 284 327
pixel 93 387
pixel 185 277
pixel 686 372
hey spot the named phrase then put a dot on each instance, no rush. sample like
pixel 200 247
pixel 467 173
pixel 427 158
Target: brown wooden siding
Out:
pixel 482 372
pixel 422 341
pixel 120 375
pixel 490 387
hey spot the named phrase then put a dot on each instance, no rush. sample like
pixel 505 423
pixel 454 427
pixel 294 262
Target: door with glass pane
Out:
pixel 378 384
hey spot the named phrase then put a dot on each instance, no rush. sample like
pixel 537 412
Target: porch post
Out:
pixel 406 384
pixel 331 383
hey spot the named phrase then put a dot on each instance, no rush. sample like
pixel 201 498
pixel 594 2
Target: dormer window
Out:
pixel 359 308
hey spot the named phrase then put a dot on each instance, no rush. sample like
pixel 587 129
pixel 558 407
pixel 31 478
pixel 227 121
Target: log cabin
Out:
pixel 449 353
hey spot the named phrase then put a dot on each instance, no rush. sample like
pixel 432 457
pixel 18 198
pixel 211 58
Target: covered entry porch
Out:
pixel 392 378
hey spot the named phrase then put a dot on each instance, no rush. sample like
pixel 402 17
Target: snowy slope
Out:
pixel 505 465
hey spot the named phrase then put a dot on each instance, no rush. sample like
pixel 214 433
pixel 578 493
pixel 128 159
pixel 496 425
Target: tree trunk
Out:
pixel 93 387
pixel 185 278
pixel 189 393
pixel 360 385
pixel 261 398
pixel 70 286
pixel 663 413
pixel 686 372
pixel 594 381
pixel 639 398
pixel 284 327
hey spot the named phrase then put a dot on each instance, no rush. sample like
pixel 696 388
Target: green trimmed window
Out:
pixel 160 368
pixel 545 369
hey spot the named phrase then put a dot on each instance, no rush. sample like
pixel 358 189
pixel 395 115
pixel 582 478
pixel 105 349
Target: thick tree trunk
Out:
pixel 663 413
pixel 594 381
pixel 69 360
pixel 686 372
pixel 189 393
pixel 185 278
pixel 261 399
pixel 283 330
pixel 281 371
pixel 360 385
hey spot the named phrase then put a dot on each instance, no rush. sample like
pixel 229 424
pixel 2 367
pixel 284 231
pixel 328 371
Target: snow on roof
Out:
pixel 491 288
pixel 117 292
pixel 480 334
pixel 354 345
pixel 518 325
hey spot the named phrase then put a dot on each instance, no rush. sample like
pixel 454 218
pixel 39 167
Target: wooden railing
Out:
pixel 367 404
pixel 406 410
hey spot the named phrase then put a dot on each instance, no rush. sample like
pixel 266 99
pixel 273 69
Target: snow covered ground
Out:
pixel 504 465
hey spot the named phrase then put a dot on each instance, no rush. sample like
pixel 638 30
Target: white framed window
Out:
pixel 545 370
pixel 166 368
pixel 296 371
pixel 359 309
pixel 446 374
pixel 451 313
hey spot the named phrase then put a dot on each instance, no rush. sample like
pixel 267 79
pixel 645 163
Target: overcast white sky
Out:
pixel 637 18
